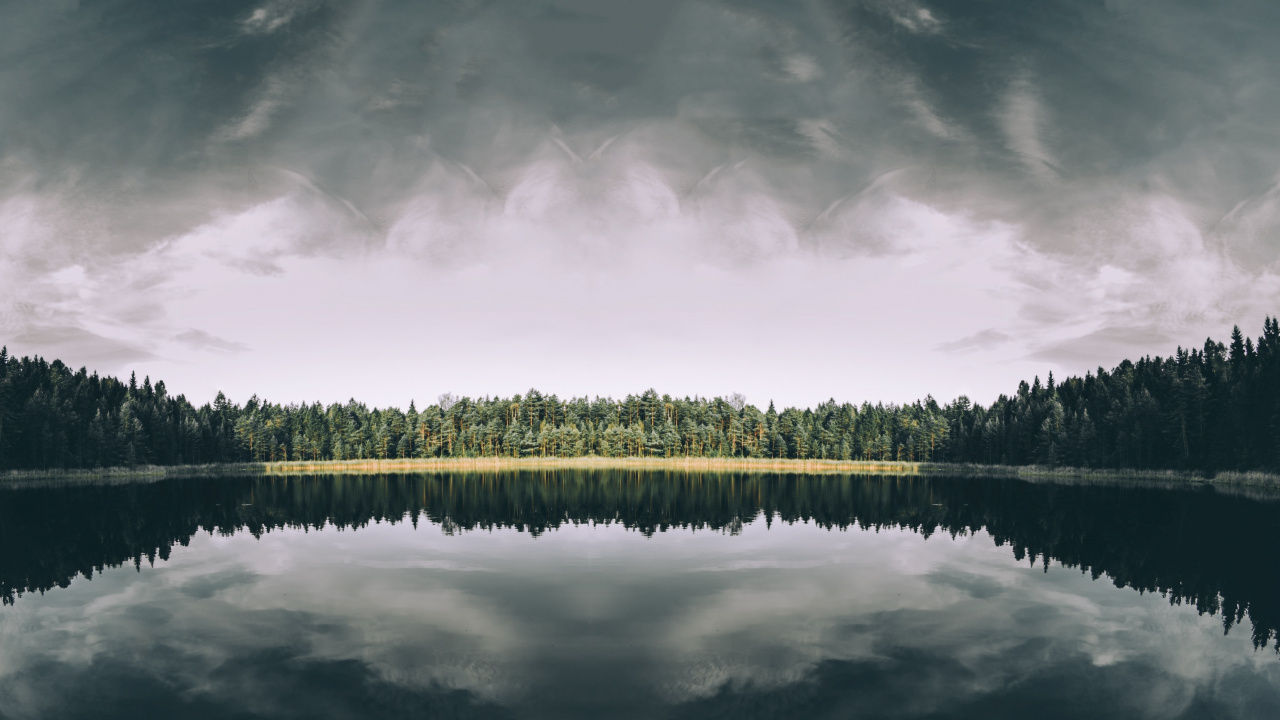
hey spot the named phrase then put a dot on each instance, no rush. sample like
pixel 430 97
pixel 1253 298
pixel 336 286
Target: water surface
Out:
pixel 645 595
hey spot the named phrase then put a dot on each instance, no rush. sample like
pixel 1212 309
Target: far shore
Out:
pixel 677 464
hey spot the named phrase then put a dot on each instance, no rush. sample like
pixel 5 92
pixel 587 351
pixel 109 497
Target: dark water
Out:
pixel 620 595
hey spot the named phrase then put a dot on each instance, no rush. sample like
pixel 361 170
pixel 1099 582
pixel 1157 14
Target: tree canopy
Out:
pixel 1208 409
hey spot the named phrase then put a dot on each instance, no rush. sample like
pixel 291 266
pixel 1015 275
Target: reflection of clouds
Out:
pixel 170 624
pixel 791 613
pixel 862 619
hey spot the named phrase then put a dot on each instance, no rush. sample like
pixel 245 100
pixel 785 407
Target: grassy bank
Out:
pixel 599 463
pixel 738 465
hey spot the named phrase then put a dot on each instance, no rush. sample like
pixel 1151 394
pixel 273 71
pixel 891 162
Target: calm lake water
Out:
pixel 637 595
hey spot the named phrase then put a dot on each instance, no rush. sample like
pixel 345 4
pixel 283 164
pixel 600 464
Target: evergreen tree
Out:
pixel 1206 409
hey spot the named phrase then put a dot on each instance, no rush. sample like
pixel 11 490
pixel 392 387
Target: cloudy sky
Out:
pixel 859 199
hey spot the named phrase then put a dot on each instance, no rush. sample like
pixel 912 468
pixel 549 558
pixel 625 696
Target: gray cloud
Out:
pixel 985 339
pixel 331 93
pixel 1117 146
pixel 202 340
pixel 76 346
pixel 1104 347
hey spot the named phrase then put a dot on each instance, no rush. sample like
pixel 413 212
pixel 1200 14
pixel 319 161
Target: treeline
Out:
pixel 1196 546
pixel 1210 409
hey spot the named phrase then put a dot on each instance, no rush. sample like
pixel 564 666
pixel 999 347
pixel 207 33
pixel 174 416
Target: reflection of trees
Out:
pixel 1199 547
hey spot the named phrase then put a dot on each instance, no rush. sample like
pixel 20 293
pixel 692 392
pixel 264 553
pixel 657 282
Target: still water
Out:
pixel 637 595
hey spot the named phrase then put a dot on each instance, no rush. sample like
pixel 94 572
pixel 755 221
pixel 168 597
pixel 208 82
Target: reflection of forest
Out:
pixel 1199 547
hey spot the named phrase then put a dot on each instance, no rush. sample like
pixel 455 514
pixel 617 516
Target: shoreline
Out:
pixel 682 464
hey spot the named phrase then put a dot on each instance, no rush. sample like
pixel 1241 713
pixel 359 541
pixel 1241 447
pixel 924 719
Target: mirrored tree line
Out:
pixel 1213 408
pixel 1184 543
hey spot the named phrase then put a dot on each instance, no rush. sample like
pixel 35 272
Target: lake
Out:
pixel 611 594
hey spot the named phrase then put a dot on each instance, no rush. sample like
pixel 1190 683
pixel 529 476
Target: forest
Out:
pixel 1205 410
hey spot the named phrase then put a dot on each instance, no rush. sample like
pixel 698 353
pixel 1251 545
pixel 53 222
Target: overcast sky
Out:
pixel 866 200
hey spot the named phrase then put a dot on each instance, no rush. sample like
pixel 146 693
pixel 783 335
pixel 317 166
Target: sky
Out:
pixel 865 200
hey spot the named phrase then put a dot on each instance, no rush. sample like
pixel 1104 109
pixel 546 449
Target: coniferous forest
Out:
pixel 1209 409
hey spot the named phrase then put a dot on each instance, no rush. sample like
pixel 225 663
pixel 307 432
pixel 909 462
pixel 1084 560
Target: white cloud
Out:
pixel 1248 233
pixel 271 97
pixel 913 16
pixel 1022 119
pixel 273 16
pixel 802 67
pixel 1151 279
